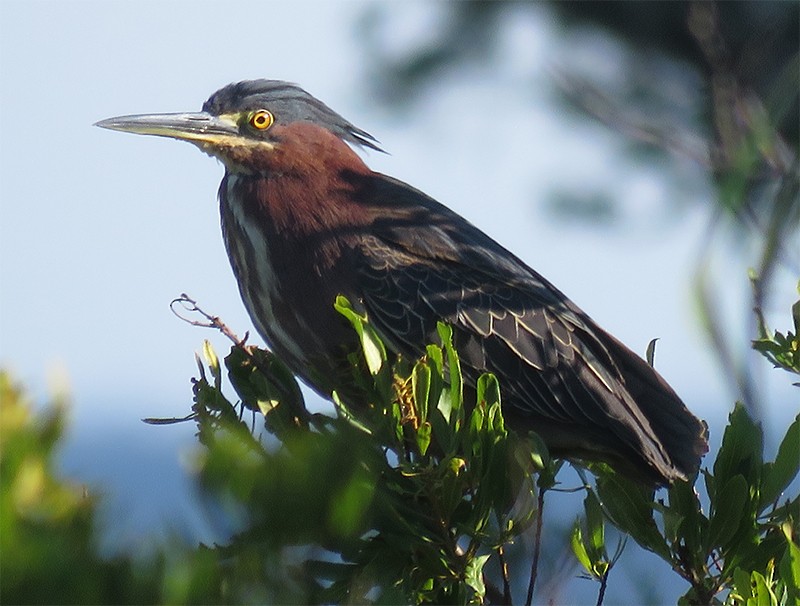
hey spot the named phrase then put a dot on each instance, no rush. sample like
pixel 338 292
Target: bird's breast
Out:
pixel 248 244
pixel 284 281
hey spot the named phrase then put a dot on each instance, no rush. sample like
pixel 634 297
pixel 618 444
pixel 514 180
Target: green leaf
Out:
pixel 579 548
pixel 421 387
pixel 454 368
pixel 347 414
pixel 651 352
pixel 371 344
pixel 213 363
pixel 264 383
pixel 741 585
pixel 729 512
pixel 350 504
pixel 436 358
pixel 789 567
pixel 692 525
pixel 629 506
pixel 424 437
pixel 476 424
pixel 488 389
pixel 594 523
pixel 473 576
pixel 762 592
pixel 778 475
pixel 741 450
pixel 374 351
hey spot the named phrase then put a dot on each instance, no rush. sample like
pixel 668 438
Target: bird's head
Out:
pixel 245 123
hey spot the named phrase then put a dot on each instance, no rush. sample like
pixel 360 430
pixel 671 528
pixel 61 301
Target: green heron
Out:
pixel 304 219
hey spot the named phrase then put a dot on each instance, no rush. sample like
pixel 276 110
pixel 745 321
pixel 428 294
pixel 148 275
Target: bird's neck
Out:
pixel 307 185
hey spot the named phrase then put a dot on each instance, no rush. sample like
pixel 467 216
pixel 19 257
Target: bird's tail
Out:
pixel 683 436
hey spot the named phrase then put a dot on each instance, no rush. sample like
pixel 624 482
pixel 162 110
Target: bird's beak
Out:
pixel 199 127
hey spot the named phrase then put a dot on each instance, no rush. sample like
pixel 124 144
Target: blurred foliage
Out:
pixel 422 497
pixel 759 39
pixel 47 538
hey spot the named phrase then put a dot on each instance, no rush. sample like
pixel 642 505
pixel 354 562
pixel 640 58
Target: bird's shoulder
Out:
pixel 421 260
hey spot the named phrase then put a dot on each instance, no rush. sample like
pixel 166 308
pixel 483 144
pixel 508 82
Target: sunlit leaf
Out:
pixel 421 386
pixel 454 369
pixel 579 548
pixel 790 564
pixel 213 363
pixel 473 576
pixel 424 437
pixel 594 523
pixel 372 346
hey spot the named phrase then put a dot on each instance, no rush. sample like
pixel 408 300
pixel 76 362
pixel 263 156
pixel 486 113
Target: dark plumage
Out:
pixel 304 219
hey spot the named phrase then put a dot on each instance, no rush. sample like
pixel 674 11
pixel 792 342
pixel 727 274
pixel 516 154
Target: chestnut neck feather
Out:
pixel 305 183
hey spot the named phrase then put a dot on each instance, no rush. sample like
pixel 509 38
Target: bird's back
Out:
pixel 563 376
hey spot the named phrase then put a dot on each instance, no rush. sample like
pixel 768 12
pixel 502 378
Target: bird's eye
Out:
pixel 261 119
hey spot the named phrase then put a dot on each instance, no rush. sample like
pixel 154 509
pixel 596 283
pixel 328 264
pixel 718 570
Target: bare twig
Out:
pixel 190 305
pixel 215 322
pixel 603 583
pixel 504 573
pixel 537 545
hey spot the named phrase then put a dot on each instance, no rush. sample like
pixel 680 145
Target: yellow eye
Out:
pixel 261 119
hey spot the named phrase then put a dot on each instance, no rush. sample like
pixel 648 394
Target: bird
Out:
pixel 304 219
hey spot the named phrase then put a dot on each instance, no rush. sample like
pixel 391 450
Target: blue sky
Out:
pixel 99 231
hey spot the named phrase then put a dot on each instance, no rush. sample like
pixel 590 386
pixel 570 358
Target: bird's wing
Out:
pixel 422 263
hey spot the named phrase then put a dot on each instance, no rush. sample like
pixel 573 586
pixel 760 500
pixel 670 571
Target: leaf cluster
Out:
pixel 744 547
pixel 402 499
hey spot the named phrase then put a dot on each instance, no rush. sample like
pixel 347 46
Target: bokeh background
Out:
pixel 575 134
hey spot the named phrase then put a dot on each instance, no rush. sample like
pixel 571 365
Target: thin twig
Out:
pixel 537 544
pixel 190 305
pixel 504 573
pixel 215 322
pixel 603 582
